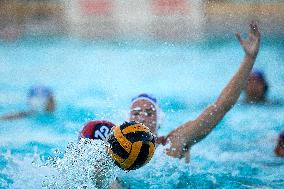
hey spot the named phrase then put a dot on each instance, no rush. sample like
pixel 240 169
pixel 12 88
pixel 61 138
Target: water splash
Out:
pixel 84 165
pixel 162 171
pixel 24 172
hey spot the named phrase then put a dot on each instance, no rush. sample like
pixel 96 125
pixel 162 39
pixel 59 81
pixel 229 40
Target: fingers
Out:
pixel 238 35
pixel 254 32
pixel 254 28
pixel 187 157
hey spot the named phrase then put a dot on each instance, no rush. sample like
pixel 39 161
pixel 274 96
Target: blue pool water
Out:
pixel 97 81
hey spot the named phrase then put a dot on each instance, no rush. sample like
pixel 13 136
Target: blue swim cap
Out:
pixel 38 97
pixel 258 74
pixel 282 134
pixel 145 96
pixel 39 91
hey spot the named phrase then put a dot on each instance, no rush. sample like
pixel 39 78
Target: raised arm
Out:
pixel 18 115
pixel 193 131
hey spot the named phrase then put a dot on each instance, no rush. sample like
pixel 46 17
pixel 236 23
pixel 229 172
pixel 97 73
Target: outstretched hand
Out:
pixel 178 144
pixel 251 45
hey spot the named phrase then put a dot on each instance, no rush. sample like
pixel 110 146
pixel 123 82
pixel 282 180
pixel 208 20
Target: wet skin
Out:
pixel 191 132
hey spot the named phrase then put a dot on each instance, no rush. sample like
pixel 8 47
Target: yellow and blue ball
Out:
pixel 132 145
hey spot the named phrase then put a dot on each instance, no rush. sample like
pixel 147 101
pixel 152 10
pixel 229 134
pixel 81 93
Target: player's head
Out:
pixel 279 149
pixel 41 99
pixel 144 109
pixel 256 87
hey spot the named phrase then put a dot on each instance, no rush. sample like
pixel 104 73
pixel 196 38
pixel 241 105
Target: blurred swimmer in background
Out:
pixel 279 148
pixel 144 108
pixel 40 100
pixel 256 88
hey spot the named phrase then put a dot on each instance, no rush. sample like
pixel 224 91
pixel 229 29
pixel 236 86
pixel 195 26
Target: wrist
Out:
pixel 251 57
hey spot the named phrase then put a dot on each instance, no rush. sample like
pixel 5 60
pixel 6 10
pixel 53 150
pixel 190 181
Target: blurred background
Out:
pixel 168 20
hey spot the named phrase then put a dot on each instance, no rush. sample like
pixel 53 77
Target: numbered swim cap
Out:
pixel 132 145
pixel 96 130
pixel 38 97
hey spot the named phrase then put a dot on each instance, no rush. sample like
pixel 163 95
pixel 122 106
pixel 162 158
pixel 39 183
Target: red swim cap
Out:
pixel 96 130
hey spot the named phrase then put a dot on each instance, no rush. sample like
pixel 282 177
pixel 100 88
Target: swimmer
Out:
pixel 144 108
pixel 279 149
pixel 40 100
pixel 256 88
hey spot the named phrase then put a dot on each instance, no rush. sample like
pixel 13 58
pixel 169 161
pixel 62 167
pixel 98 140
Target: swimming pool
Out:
pixel 97 81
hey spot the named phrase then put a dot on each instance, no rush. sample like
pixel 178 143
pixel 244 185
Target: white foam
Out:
pixel 85 165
